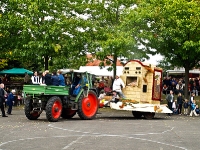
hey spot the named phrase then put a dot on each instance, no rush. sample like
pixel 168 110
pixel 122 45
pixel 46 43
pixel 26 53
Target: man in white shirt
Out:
pixel 35 78
pixel 118 84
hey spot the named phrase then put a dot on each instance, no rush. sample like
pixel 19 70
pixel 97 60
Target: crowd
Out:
pixel 176 104
pixel 110 87
pixel 176 86
pixel 105 86
pixel 9 98
pixel 56 78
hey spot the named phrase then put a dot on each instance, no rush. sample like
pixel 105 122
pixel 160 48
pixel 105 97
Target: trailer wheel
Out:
pixel 53 109
pixel 28 109
pixel 137 114
pixel 149 115
pixel 68 113
pixel 88 106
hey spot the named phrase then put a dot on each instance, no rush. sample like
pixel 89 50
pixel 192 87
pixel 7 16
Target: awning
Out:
pixel 182 72
pixel 96 70
pixel 16 71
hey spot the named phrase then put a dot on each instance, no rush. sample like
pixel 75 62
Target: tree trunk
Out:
pixel 46 62
pixel 186 80
pixel 114 65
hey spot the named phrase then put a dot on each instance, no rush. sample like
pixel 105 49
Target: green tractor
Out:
pixel 59 101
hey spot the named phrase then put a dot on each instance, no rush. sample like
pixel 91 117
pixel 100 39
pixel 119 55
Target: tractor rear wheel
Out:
pixel 88 106
pixel 53 109
pixel 137 114
pixel 68 113
pixel 149 115
pixel 28 109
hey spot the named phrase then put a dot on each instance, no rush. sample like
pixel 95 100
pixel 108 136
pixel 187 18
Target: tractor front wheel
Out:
pixel 28 109
pixel 53 109
pixel 88 106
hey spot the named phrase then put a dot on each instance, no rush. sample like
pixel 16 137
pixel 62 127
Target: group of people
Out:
pixel 177 85
pixel 176 105
pixel 115 88
pixel 56 78
pixel 8 99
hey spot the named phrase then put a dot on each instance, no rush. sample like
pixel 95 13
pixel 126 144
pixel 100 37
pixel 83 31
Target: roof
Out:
pixel 92 61
pixel 182 71
pixel 96 70
pixel 64 71
pixel 16 71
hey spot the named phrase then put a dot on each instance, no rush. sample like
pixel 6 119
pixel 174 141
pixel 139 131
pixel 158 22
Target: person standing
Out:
pixel 170 99
pixel 10 101
pixel 185 106
pixel 2 100
pixel 42 79
pixel 118 84
pixel 179 102
pixel 179 87
pixel 35 78
pixel 47 78
pixel 193 108
pixel 55 79
pixel 175 107
pixel 61 78
pixel 27 78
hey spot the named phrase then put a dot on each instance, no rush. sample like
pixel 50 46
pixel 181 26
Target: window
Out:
pixel 131 81
pixel 126 68
pixel 138 68
pixel 144 89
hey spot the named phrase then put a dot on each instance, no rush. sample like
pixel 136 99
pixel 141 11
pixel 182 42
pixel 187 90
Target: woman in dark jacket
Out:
pixel 179 102
pixel 47 78
pixel 55 79
pixel 10 101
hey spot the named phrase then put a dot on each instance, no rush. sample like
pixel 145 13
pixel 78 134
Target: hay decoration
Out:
pixel 145 80
pixel 126 102
pixel 157 109
pixel 149 70
pixel 133 84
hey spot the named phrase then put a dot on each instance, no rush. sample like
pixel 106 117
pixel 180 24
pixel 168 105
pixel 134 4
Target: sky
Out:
pixel 153 59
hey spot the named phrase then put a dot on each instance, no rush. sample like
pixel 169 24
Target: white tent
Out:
pixel 96 70
pixel 181 72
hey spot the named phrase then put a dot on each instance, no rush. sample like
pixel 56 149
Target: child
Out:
pixel 197 109
pixel 193 107
pixel 185 106
pixel 10 101
pixel 101 98
pixel 102 94
pixel 115 97
pixel 175 107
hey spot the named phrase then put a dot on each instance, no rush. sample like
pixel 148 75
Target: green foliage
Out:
pixel 60 33
pixel 110 38
pixel 168 27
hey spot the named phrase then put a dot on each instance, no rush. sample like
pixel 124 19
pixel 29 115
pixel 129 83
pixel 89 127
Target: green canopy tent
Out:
pixel 16 71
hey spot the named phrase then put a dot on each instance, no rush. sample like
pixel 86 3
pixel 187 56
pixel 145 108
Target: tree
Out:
pixel 110 39
pixel 41 33
pixel 60 33
pixel 171 28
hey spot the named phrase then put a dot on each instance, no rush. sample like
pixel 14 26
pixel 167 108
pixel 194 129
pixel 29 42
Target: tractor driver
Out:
pixel 76 82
